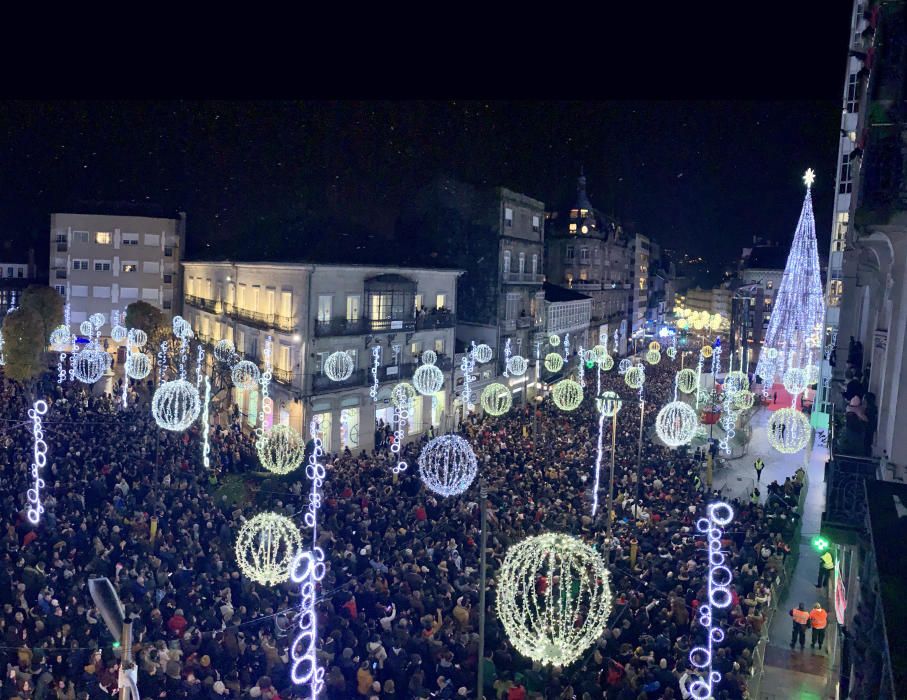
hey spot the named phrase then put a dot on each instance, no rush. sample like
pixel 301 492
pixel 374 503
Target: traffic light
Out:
pixel 820 544
pixel 116 645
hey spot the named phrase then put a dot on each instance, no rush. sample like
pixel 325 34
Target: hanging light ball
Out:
pixel 794 381
pixel 90 364
pixel 517 365
pixel 686 380
pixel 136 337
pixel 429 357
pixel 97 320
pixel 265 548
pixel 554 340
pixel 175 405
pixel 812 341
pixel 599 353
pixel 447 465
pixel 246 375
pixel 607 363
pixel 118 334
pixel 671 352
pixel 138 365
pixel 181 328
pixel 554 362
pixel 554 597
pixel 624 365
pixel 707 351
pixel 403 394
pixel 496 399
pixel 676 423
pixel 744 400
pixel 812 375
pixel 567 395
pixel 224 350
pixel 736 381
pixel 428 379
pixel 788 430
pixel 771 353
pixel 85 328
pixel 339 366
pixel 653 357
pixel 609 403
pixel 483 353
pixel 59 337
pixel 280 449
pixel 655 345
pixel 635 377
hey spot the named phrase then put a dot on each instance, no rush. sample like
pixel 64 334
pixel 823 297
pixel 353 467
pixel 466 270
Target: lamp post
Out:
pixel 483 539
pixel 611 483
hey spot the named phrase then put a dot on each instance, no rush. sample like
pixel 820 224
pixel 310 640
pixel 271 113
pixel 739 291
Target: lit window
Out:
pixel 129 267
pixel 585 229
pixel 102 237
pixel 508 217
pixel 583 275
pixel 536 224
pixel 441 301
pixel 572 228
pixel 770 284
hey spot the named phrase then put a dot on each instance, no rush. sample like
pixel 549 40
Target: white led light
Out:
pixel 246 375
pixel 90 364
pixel 428 379
pixel 138 365
pixel 137 337
pixel 812 374
pixel 624 365
pixel 429 357
pixel 744 400
pixel 266 546
pixel 307 569
pixel 609 403
pixel 59 337
pixel 181 328
pixel 224 350
pixel 795 381
pixel 338 366
pixel 376 361
pixel 686 380
pixel 467 365
pixel 676 424
pixel 517 365
pixel 175 405
pixel 280 450
pixel 653 357
pixel 403 394
pixel 567 395
pixel 496 399
pixel 671 352
pixel 85 328
pixel 483 353
pixel 39 460
pixel 736 381
pixel 206 447
pixel 655 346
pixel 97 320
pixel 447 465
pixel 635 377
pixel 554 362
pixel 118 334
pixel 554 340
pixel 554 597
pixel 788 430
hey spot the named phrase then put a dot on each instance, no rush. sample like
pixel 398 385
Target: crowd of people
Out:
pixel 398 611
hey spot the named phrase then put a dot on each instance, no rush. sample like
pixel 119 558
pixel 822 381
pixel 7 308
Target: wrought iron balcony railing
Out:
pixel 322 383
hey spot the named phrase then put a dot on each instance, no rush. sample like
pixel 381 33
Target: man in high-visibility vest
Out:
pixel 801 619
pixel 826 564
pixel 758 465
pixel 818 621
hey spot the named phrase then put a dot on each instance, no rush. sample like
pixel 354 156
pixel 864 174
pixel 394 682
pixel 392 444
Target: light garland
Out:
pixel 175 405
pixel 280 450
pixel 199 359
pixel 624 365
pixel 686 380
pixel 206 447
pixel 125 387
pixel 517 365
pixel 138 365
pixel 266 416
pixel 482 353
pixel 736 381
pixel 181 327
pixel 59 337
pixel 706 351
pixel 90 364
pixel 428 379
pixel 606 363
pixel 554 340
pixel 118 334
pixel 246 375
pixel 581 367
pixel 599 353
pixel 467 365
pixel 744 400
pixel 812 374
pixel 316 473
pixel 97 320
pixel 554 362
pixel 338 366
pixel 554 597
pixel 567 395
pixel 307 570
pixel 676 423
pixel 403 394
pixel 635 377
pixel 162 360
pixel 653 357
pixel 376 361
pixel 795 381
pixel 608 404
pixel 496 399
pixel 566 346
pixel 265 547
pixel 788 430
pixel 447 465
pixel 402 411
pixel 429 357
pixel 506 356
pixel 224 350
pixel 39 461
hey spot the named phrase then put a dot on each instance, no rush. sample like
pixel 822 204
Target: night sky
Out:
pixel 703 176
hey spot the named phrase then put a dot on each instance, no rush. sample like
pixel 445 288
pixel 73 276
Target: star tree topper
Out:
pixel 810 177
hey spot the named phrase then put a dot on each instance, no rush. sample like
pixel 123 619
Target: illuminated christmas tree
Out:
pixel 795 327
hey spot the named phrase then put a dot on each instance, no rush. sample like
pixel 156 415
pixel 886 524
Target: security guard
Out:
pixel 801 619
pixel 754 496
pixel 818 621
pixel 697 482
pixel 825 566
pixel 758 465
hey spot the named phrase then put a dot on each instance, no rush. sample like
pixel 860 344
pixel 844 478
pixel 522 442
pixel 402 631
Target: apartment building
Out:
pixel 311 310
pixel 14 278
pixel 105 261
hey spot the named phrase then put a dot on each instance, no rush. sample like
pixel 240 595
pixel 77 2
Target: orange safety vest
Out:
pixel 801 617
pixel 819 618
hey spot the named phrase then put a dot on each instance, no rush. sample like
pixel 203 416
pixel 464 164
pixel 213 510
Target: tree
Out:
pixel 144 316
pixel 47 305
pixel 23 345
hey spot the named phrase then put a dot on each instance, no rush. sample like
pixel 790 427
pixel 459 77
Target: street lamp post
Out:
pixel 642 413
pixel 483 497
pixel 611 482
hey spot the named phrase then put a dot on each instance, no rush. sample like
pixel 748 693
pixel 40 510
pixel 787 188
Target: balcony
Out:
pixel 586 286
pixel 282 376
pixel 322 384
pixel 361 326
pixel 524 322
pixel 435 319
pixel 845 496
pixel 62 246
pixel 60 273
pixel 521 277
pixel 285 323
pixel 200 303
pixel 509 325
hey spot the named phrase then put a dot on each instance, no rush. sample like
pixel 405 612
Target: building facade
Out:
pixel 14 278
pixel 313 310
pixel 102 262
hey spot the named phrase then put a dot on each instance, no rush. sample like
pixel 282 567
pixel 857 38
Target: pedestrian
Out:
pixel 759 465
pixel 775 398
pixel 826 564
pixel 754 496
pixel 818 620
pixel 801 619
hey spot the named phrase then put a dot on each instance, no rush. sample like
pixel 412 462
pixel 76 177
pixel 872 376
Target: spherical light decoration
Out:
pixel 671 352
pixel 447 465
pixel 686 380
pixel 97 320
pixel 607 363
pixel 118 334
pixel 266 546
pixel 138 365
pixel 59 337
pixel 698 324
pixel 517 365
pixel 554 340
pixel 428 379
pixel 90 364
pixel 224 350
pixel 483 354
pixel 280 449
pixel 655 345
pixel 496 399
pixel 788 430
pixel 744 400
pixel 137 337
pixel 339 366
pixel 567 395
pixel 175 405
pixel 246 374
pixel 609 403
pixel 181 328
pixel 599 353
pixel 653 357
pixel 85 328
pixel 554 362
pixel 403 394
pixel 812 342
pixel 794 381
pixel 707 351
pixel 429 357
pixel 736 381
pixel 812 375
pixel 624 365
pixel 771 353
pixel 554 597
pixel 676 423
pixel 635 377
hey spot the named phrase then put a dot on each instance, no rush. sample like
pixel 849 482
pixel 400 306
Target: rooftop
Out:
pixel 555 293
pixel 120 208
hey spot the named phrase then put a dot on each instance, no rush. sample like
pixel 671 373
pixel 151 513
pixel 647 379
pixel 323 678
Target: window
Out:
pixel 130 267
pixel 535 264
pixel 80 236
pixel 20 273
pixel 153 268
pixel 166 304
pixel 511 309
pixel 102 237
pixel 61 289
pixel 416 349
pixel 100 292
pixel 506 262
pixel 150 294
pixel 129 293
pixel 241 296
pixel 770 284
pixel 570 252
pixel 352 307
pixel 283 358
pixel 584 255
pixel 846 179
pixel 583 275
pixel 853 92
pixel 508 217
pixel 439 346
pixel 835 290
pixel 168 252
pixel 152 239
pixel 9 272
pixel 420 302
pixel 840 235
pixel 78 290
pixel 572 228
pixel 102 266
pixel 536 223
pixel 168 279
pixel 130 239
pixel 522 263
pixel 440 301
pixel 324 307
pixel 79 264
pixel 286 306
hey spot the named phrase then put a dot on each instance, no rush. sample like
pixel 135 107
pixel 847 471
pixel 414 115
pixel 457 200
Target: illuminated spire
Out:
pixel 809 178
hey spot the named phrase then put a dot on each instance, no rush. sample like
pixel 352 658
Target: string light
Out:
pixel 266 415
pixel 671 352
pixel 655 346
pixel 246 375
pixel 376 361
pixel 138 365
pixel 181 328
pixel 653 357
pixel 812 374
pixel 199 359
pixel 59 337
pixel 567 395
pixel 403 394
pixel 517 365
pixel 624 365
pixel 744 400
pixel 307 570
pixel 429 357
pixel 97 320
pixel 686 380
pixel 266 546
pixel 496 399
pixel 118 334
pixel 554 598
pixel 338 366
pixel 402 410
pixel 719 596
pixel 467 365
pixel 206 447
pixel 554 362
pixel 316 473
pixel 447 465
pixel 795 381
pixel 86 329
pixel 39 461
pixel 90 364
pixel 125 387
pixel 506 356
pixel 676 423
pixel 599 353
pixel 581 366
pixel 280 450
pixel 736 381
pixel 606 363
pixel 635 377
pixel 137 337
pixel 554 340
pixel 162 360
pixel 428 379
pixel 482 353
pixel 706 351
pixel 175 405
pixel 788 430
pixel 608 404
pixel 224 350
pixel 566 346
